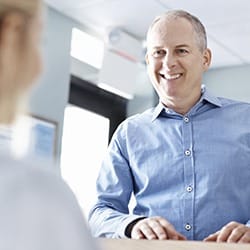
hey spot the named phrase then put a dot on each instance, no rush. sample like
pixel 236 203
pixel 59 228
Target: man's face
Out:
pixel 175 61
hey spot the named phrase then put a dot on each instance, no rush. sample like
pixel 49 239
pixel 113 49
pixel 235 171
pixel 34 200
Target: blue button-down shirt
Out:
pixel 193 169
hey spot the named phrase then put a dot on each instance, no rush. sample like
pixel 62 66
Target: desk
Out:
pixel 127 244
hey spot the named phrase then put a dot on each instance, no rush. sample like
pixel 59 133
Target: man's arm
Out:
pixel 110 215
pixel 109 223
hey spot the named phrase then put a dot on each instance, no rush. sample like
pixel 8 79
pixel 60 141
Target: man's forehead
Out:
pixel 164 23
pixel 174 30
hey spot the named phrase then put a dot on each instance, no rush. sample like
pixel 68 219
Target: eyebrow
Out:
pixel 182 45
pixel 177 46
pixel 157 47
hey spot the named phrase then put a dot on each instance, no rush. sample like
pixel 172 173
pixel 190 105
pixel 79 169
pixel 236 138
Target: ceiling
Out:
pixel 227 21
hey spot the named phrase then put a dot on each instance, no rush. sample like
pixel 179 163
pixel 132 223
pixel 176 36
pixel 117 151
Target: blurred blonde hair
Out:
pixel 27 7
pixel 13 96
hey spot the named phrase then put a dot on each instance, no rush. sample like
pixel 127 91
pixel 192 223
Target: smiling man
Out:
pixel 176 59
pixel 186 161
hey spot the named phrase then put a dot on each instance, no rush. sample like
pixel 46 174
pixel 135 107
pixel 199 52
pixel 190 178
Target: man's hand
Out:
pixel 232 232
pixel 155 228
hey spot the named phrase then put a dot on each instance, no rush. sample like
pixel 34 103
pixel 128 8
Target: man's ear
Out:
pixel 207 56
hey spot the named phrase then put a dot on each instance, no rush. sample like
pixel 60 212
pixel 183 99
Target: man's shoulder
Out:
pixel 141 118
pixel 227 102
pixel 238 110
pixel 137 122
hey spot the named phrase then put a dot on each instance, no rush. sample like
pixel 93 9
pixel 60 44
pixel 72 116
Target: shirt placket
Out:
pixel 189 181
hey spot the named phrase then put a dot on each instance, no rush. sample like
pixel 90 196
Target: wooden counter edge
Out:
pixel 129 244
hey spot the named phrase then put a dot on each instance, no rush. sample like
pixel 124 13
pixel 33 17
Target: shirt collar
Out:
pixel 158 109
pixel 205 96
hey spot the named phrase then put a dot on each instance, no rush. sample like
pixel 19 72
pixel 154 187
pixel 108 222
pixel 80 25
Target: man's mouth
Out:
pixel 170 77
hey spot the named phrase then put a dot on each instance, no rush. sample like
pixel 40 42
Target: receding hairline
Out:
pixel 198 27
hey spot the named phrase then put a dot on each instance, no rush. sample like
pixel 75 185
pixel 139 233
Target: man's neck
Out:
pixel 181 105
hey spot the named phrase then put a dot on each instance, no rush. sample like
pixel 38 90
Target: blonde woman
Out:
pixel 37 209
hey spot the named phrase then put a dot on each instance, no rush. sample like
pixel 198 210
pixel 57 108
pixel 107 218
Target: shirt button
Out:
pixel 187 152
pixel 186 119
pixel 189 189
pixel 188 227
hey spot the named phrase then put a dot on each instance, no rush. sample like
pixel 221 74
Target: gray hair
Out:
pixel 198 27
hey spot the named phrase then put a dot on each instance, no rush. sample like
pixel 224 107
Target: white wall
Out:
pixel 231 82
pixel 50 96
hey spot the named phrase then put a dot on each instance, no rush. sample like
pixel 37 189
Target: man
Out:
pixel 187 161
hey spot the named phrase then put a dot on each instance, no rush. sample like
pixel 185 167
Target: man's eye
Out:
pixel 182 51
pixel 159 53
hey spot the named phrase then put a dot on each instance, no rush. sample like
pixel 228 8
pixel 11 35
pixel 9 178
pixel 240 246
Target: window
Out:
pixel 90 120
pixel 84 142
pixel 89 96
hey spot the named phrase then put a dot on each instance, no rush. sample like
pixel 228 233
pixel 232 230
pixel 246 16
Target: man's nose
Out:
pixel 169 61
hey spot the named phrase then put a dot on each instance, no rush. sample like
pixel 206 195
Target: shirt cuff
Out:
pixel 125 223
pixel 248 224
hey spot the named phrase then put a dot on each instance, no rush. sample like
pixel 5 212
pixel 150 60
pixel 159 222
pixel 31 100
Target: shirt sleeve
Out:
pixel 110 215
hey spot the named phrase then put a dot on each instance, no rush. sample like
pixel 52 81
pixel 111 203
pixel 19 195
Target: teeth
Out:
pixel 171 77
